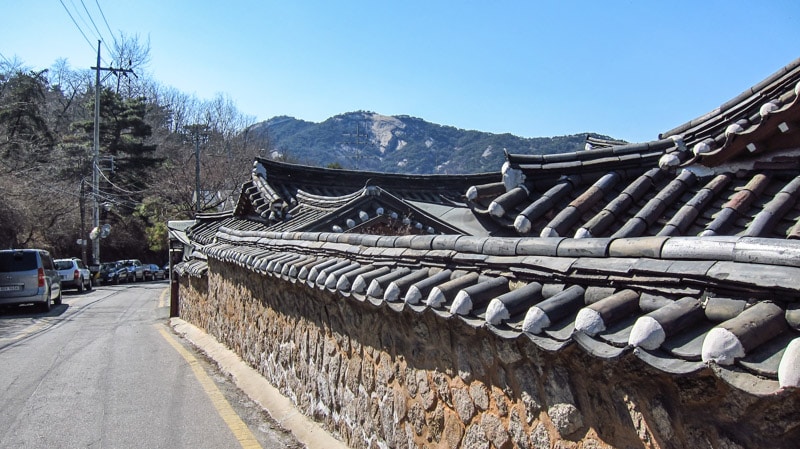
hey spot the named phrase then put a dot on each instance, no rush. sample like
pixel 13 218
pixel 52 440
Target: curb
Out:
pixel 279 407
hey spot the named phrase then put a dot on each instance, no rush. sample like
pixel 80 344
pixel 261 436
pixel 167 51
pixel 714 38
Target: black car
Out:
pixel 112 273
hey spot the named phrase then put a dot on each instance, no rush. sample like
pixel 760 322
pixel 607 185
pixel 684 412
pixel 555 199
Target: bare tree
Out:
pixel 130 52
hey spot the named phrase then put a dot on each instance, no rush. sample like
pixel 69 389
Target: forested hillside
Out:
pixel 401 144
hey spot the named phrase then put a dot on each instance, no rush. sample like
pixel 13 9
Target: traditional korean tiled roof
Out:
pixel 679 252
pixel 289 197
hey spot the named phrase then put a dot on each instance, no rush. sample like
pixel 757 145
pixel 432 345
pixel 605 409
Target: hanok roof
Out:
pixel 681 252
pixel 288 197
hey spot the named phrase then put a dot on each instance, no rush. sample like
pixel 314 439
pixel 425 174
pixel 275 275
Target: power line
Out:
pixel 89 15
pixel 83 20
pixel 102 14
pixel 130 192
pixel 76 25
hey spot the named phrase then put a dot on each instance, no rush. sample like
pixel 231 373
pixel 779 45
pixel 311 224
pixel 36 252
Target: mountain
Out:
pixel 368 141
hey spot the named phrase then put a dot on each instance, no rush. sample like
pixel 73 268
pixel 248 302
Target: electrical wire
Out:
pixel 102 14
pixel 89 15
pixel 75 22
pixel 97 167
pixel 76 25
pixel 83 20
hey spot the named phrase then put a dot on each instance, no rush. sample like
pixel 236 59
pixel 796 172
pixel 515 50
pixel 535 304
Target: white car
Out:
pixel 29 276
pixel 74 274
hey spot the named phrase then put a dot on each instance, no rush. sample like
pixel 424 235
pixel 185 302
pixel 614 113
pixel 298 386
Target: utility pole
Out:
pixel 196 175
pixel 96 158
pixel 199 134
pixel 83 219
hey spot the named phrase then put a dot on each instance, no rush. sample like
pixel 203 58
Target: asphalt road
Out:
pixel 104 370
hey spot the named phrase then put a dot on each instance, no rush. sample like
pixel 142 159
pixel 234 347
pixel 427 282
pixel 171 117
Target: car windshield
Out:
pixel 17 261
pixel 63 264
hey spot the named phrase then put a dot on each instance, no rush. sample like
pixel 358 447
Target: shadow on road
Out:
pixel 31 311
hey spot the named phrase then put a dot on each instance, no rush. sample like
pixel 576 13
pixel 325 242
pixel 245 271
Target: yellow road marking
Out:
pixel 162 300
pixel 226 412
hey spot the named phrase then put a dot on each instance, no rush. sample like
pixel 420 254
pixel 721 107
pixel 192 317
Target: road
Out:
pixel 104 370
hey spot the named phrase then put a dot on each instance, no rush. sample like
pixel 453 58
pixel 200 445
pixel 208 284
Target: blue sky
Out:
pixel 627 69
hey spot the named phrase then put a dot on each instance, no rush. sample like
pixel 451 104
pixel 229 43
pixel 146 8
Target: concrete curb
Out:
pixel 282 410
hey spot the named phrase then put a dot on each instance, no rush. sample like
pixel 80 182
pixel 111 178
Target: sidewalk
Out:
pixel 307 432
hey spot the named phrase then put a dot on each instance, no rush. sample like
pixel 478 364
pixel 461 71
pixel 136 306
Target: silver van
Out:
pixel 28 276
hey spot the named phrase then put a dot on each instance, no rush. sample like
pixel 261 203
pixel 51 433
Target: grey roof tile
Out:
pixel 651 330
pixel 637 247
pixel 393 285
pixel 763 223
pixel 549 264
pixel 547 246
pixel 478 295
pixel 508 201
pixel 702 248
pixel 418 291
pixel 598 348
pixel 470 244
pixel 363 281
pixel 542 205
pixel 780 278
pixel 667 363
pixel 580 205
pixel 444 242
pixel 396 284
pixel 766 358
pixel 589 247
pixel 501 246
pixel 514 302
pixel 767 251
pixel 442 295
pixel 609 265
pixel 331 281
pixel 553 309
pixel 739 336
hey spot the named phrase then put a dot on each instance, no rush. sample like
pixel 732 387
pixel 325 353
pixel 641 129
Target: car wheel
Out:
pixel 80 285
pixel 57 301
pixel 89 287
pixel 45 307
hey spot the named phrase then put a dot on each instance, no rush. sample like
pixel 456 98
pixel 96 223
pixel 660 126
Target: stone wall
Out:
pixel 377 378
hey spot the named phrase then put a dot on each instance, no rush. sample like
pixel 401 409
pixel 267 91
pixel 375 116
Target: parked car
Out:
pixel 112 273
pixel 135 269
pixel 74 274
pixel 29 276
pixel 154 272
